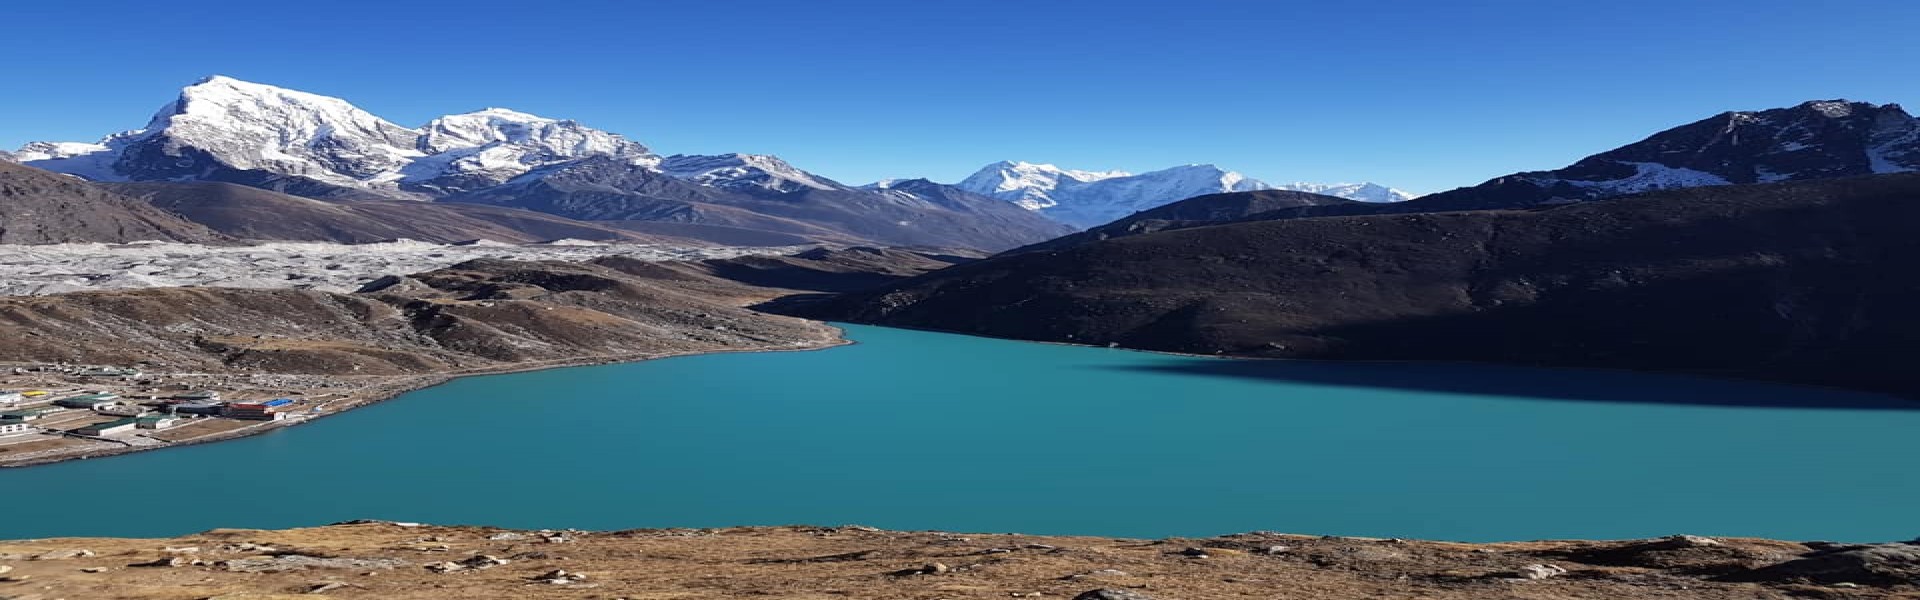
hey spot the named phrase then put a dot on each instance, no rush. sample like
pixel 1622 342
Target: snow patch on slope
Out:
pixel 744 171
pixel 1650 176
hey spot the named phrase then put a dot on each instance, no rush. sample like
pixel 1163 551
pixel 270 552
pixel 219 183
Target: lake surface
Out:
pixel 915 430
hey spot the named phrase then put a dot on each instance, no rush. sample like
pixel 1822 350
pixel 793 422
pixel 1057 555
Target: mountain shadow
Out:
pixel 1793 282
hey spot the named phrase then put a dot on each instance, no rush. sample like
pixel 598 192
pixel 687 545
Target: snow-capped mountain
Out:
pixel 1364 192
pixel 1814 140
pixel 1089 198
pixel 221 126
pixel 1032 186
pixel 746 172
pixel 488 147
pixel 226 130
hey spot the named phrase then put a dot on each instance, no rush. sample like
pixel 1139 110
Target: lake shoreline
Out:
pixel 1710 376
pixel 402 384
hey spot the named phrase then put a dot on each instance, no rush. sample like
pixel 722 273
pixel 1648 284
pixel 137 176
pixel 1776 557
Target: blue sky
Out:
pixel 1424 96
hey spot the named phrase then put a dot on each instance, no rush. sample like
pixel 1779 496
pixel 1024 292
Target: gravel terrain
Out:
pixel 32 270
pixel 411 561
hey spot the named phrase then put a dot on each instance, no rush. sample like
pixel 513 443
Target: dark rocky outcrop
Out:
pixel 1862 564
pixel 1212 209
pixel 254 213
pixel 827 270
pixel 39 207
pixel 1800 282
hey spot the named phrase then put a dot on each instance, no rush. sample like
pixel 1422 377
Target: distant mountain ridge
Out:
pixel 1819 139
pixel 37 207
pixel 1814 140
pixel 1090 198
pixel 226 130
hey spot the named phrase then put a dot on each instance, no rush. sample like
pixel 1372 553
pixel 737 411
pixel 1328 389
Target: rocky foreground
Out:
pixel 395 560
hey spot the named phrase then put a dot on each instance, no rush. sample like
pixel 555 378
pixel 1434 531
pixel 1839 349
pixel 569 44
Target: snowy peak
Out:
pixel 251 126
pixel 1813 140
pixel 491 146
pixel 221 125
pixel 1364 191
pixel 745 172
pixel 1028 184
pixel 500 126
pixel 55 150
pixel 1089 198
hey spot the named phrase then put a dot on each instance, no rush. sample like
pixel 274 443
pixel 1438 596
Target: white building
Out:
pixel 12 428
pixel 160 422
pixel 121 409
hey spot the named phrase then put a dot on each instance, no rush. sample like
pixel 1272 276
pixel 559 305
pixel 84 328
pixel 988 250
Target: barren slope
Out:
pixel 478 314
pixel 1800 282
pixel 39 207
pixel 398 562
pixel 253 213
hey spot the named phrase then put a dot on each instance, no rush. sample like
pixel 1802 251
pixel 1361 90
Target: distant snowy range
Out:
pixel 1088 198
pixel 225 129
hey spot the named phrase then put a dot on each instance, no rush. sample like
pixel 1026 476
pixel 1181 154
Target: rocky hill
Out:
pixel 258 214
pixel 480 314
pixel 1785 281
pixel 1212 209
pixel 1814 140
pixel 825 270
pixel 38 207
pixel 406 561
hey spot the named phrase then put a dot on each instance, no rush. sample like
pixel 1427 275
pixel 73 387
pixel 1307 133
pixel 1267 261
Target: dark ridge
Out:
pixel 1199 211
pixel 41 207
pixel 1797 282
pixel 253 213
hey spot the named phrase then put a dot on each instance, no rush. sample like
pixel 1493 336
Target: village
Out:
pixel 58 412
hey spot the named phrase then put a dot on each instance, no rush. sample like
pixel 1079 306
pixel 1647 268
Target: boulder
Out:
pixel 171 561
pixel 1540 571
pixel 560 577
pixel 1112 594
pixel 1690 541
pixel 1872 564
pixel 482 561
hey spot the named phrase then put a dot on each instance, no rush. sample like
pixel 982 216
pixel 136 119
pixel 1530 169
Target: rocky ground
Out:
pixel 60 268
pixel 336 351
pixel 408 561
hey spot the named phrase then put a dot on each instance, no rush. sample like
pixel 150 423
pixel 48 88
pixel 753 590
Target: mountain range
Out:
pixel 1785 281
pixel 1818 139
pixel 1752 244
pixel 1090 198
pixel 307 145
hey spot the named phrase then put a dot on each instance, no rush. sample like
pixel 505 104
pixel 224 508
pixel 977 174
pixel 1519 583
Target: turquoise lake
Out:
pixel 916 430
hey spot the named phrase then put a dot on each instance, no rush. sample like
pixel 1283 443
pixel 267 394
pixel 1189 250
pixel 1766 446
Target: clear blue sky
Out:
pixel 1423 95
